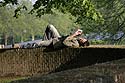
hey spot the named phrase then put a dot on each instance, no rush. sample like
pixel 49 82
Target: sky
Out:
pixel 33 1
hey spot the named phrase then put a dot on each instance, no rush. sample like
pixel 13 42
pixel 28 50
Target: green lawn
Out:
pixel 10 79
pixel 106 46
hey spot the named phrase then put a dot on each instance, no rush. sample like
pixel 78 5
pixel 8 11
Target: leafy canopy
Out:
pixel 78 8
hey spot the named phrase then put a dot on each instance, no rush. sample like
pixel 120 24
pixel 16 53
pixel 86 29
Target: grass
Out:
pixel 107 46
pixel 98 73
pixel 10 79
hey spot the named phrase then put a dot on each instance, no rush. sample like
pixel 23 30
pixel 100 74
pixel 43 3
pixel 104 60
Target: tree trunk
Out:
pixel 5 39
pixel 33 37
pixel 21 38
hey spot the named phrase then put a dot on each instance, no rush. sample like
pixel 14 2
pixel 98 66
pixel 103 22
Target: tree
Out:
pixel 5 21
pixel 113 12
pixel 78 8
pixel 28 26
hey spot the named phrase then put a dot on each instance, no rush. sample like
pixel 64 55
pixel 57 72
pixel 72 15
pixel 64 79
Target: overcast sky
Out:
pixel 29 0
pixel 33 1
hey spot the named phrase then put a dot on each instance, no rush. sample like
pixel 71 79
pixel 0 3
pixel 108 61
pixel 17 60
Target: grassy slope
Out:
pixel 98 73
pixel 10 79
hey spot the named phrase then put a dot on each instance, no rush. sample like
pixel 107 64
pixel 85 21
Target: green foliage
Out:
pixel 78 8
pixel 103 17
pixel 5 2
pixel 113 12
pixel 18 11
pixel 28 25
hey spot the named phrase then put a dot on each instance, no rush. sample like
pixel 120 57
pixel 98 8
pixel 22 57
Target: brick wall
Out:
pixel 28 62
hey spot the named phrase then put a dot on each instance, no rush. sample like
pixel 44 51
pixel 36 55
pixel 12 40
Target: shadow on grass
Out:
pixel 90 56
pixel 86 57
